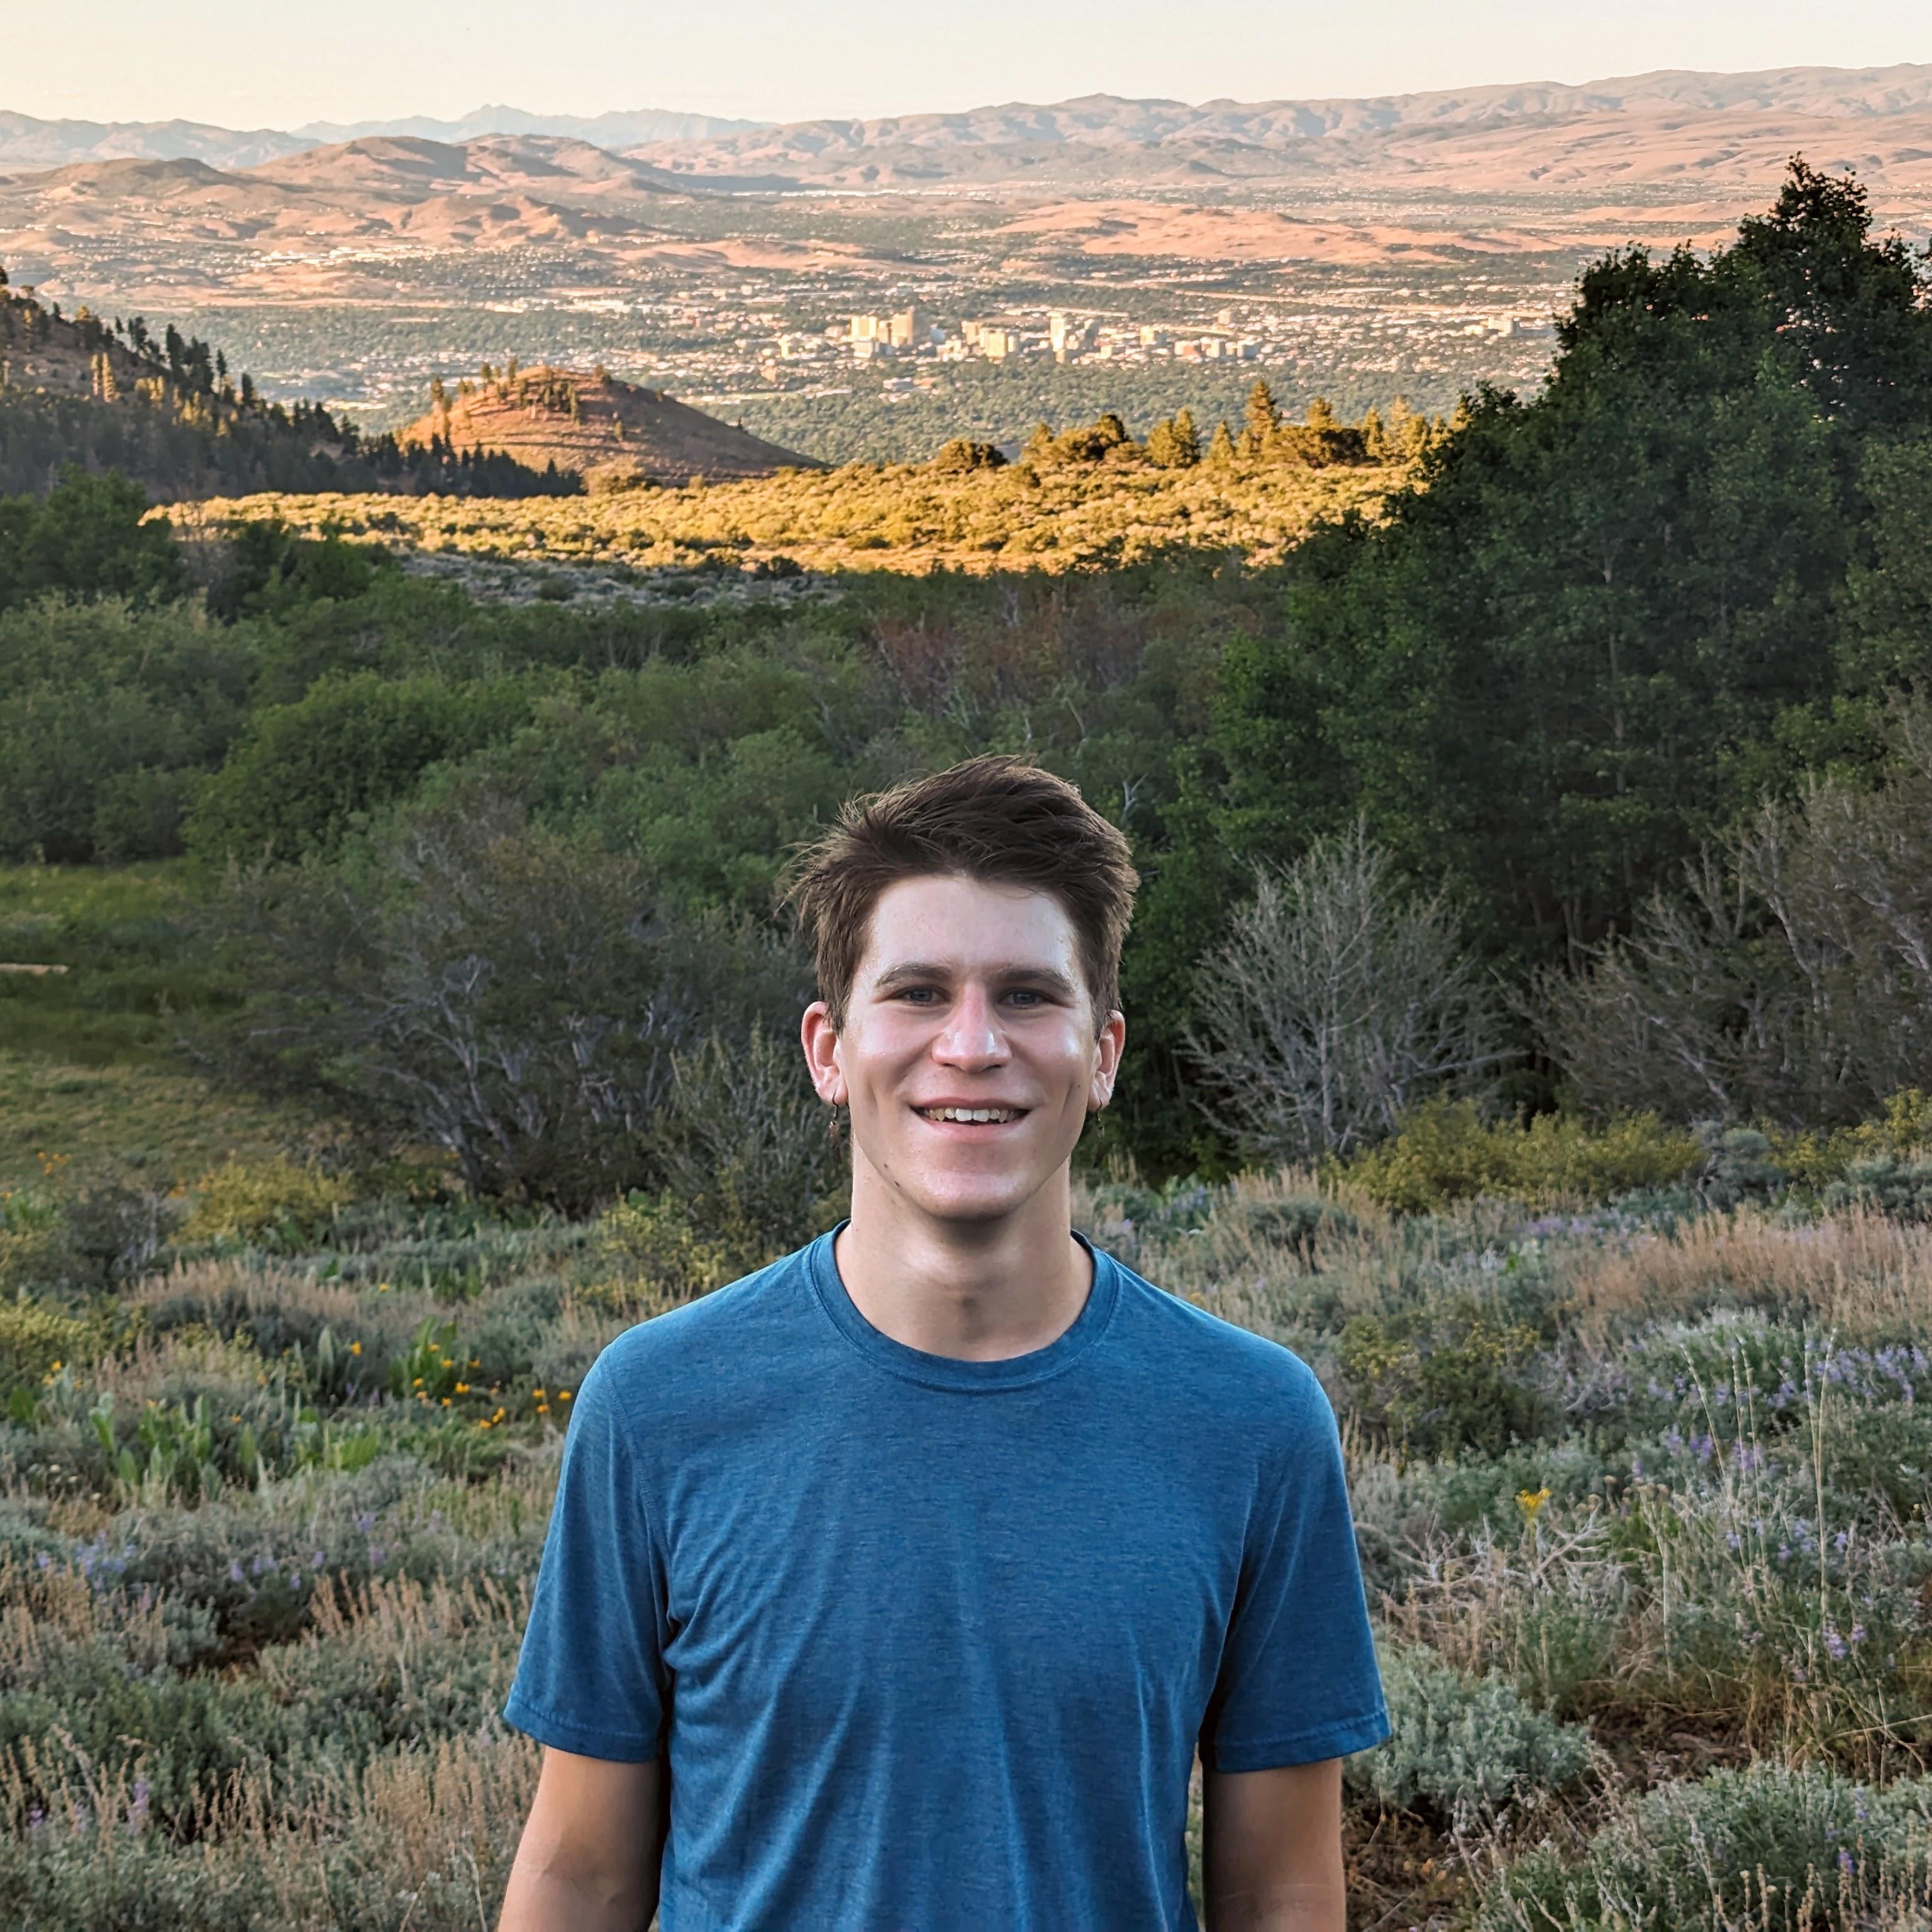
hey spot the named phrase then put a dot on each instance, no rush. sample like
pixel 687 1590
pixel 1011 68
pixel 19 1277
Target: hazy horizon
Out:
pixel 757 59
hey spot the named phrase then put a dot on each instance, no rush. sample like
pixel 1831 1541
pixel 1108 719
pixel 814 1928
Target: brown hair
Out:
pixel 997 819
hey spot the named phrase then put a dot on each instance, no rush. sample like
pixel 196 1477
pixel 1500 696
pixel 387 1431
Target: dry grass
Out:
pixel 1854 1274
pixel 899 517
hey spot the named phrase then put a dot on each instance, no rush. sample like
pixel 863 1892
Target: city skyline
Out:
pixel 757 59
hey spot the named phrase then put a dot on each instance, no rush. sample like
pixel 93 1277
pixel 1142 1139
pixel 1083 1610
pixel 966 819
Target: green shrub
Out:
pixel 1432 1380
pixel 276 1202
pixel 1458 1742
pixel 1446 1151
pixel 1768 1850
pixel 647 1251
pixel 36 1340
pixel 1884 1184
pixel 301 773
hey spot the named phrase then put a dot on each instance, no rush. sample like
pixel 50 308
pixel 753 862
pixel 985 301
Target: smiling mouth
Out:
pixel 972 1116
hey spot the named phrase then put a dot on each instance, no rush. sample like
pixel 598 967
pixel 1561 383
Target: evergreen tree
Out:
pixel 1264 419
pixel 1174 443
pixel 1221 445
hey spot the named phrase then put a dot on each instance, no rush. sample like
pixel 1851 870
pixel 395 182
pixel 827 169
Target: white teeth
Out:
pixel 970 1115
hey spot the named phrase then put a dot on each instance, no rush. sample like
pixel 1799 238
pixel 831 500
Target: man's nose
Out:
pixel 972 1036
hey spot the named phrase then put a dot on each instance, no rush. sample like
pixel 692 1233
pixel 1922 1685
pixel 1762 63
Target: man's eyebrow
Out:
pixel 907 971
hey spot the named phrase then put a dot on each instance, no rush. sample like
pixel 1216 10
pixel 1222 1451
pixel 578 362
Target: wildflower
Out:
pixel 563 1395
pixel 418 1383
pixel 381 1288
pixel 1531 1502
pixel 462 1388
pixel 355 1348
pixel 1846 1861
pixel 445 1402
pixel 1834 1643
pixel 538 1394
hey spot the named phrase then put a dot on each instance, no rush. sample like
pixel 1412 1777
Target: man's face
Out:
pixel 969 1001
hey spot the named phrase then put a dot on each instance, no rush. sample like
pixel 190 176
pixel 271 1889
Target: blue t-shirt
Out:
pixel 928 1645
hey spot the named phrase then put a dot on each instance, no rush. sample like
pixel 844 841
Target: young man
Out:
pixel 894 1588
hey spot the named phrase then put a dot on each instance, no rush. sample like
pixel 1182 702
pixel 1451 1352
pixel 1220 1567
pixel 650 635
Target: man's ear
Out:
pixel 820 1039
pixel 1107 1066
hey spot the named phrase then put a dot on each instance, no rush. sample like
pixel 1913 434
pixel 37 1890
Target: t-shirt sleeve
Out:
pixel 1298 1681
pixel 590 1677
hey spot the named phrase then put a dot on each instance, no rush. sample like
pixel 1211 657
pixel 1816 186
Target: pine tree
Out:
pixel 1264 421
pixel 1322 415
pixel 1221 445
pixel 1375 442
pixel 1040 443
pixel 1173 443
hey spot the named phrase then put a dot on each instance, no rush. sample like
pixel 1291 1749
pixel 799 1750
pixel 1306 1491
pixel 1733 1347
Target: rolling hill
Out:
pixel 600 428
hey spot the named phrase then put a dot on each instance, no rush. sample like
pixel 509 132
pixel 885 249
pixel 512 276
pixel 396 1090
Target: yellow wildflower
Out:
pixel 1530 1501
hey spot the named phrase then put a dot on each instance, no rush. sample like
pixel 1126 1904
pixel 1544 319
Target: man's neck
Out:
pixel 982 1290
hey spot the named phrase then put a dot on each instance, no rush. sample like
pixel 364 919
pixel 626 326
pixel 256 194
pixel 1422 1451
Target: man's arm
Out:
pixel 1272 1850
pixel 588 1858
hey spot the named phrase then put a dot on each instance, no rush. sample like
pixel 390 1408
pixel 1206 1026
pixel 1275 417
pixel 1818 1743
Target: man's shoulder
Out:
pixel 1204 1358
pixel 730 1330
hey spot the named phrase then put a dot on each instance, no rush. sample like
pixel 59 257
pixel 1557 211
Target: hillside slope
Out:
pixel 165 411
pixel 596 425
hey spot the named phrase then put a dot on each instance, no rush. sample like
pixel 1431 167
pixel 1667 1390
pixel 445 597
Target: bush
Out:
pixel 962 454
pixel 1332 1006
pixel 1742 1851
pixel 1445 1150
pixel 87 539
pixel 1432 1380
pixel 273 1203
pixel 509 996
pixel 751 1155
pixel 35 1340
pixel 304 771
pixel 1459 1743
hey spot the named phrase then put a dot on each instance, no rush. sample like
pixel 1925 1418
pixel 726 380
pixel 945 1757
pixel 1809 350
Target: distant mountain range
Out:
pixel 704 143
pixel 167 213
pixel 28 143
pixel 1668 129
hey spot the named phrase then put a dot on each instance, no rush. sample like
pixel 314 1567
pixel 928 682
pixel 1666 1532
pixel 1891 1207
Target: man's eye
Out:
pixel 919 995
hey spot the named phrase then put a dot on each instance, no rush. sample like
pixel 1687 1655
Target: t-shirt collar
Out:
pixel 950 1371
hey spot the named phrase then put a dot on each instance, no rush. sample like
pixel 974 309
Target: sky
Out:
pixel 246 65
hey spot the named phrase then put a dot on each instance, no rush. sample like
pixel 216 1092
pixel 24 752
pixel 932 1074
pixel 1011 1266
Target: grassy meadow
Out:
pixel 1044 515
pixel 1638 1441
